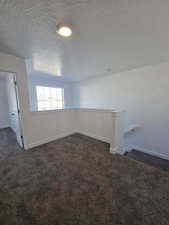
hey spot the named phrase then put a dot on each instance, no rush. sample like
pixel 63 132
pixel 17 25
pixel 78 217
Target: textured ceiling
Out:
pixel 108 36
pixel 2 76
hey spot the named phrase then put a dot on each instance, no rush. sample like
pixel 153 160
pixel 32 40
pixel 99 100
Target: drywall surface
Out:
pixel 105 125
pixel 49 81
pixel 37 127
pixel 4 109
pixel 46 126
pixel 143 94
pixel 11 63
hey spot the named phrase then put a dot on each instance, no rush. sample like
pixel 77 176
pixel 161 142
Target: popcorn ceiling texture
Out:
pixel 28 28
pixel 109 36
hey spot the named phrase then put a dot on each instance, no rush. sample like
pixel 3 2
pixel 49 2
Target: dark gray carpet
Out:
pixel 76 181
pixel 8 143
pixel 149 159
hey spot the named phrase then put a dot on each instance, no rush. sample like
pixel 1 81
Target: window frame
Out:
pixel 50 109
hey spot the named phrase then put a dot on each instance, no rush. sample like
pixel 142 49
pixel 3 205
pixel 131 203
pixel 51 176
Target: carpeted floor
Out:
pixel 8 143
pixel 76 181
pixel 149 159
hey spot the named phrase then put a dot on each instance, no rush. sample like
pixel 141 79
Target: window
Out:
pixel 49 98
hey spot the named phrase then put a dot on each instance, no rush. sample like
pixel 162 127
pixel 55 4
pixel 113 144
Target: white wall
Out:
pixel 144 94
pixel 46 126
pixel 37 126
pixel 49 81
pixel 105 125
pixel 13 106
pixel 4 110
pixel 11 63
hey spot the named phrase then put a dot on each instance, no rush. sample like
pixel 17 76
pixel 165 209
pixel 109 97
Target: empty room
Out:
pixel 84 112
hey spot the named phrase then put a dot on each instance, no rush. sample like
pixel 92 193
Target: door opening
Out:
pixel 12 106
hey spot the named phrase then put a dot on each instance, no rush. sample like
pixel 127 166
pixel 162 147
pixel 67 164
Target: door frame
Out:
pixel 14 75
pixel 18 107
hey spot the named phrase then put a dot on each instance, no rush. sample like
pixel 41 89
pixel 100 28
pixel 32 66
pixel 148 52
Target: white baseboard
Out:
pixel 104 139
pixel 116 151
pixel 50 139
pixel 47 140
pixel 157 154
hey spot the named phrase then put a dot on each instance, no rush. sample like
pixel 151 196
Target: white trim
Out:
pixel 131 128
pixel 98 110
pixel 47 140
pixel 114 128
pixel 104 139
pixel 157 154
pixel 116 150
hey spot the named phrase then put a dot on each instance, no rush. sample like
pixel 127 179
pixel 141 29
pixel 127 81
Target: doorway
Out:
pixel 10 127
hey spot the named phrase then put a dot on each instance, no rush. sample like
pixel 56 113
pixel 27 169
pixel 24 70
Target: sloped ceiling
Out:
pixel 108 36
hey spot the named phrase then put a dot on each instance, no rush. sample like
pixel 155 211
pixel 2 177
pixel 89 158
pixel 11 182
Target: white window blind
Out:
pixel 49 98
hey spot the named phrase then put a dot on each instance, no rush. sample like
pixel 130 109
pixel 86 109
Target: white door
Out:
pixel 14 107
